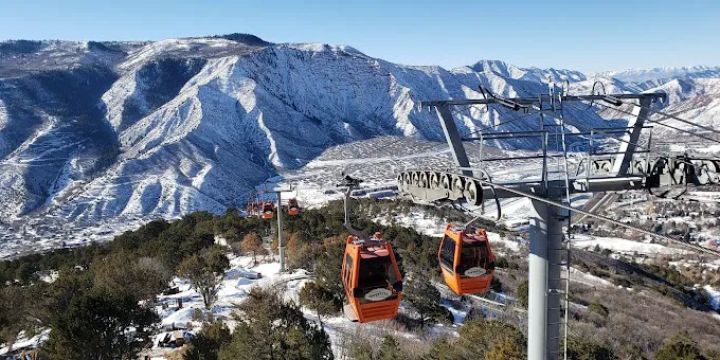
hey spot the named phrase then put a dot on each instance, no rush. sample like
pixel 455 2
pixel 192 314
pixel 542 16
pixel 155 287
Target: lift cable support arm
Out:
pixel 621 172
pixel 659 122
pixel 602 218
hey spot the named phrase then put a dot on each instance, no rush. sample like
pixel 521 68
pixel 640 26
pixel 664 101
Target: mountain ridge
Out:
pixel 95 130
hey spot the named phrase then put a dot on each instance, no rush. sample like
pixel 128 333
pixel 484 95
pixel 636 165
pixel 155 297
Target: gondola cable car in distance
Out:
pixel 293 207
pixel 267 210
pixel 371 278
pixel 466 260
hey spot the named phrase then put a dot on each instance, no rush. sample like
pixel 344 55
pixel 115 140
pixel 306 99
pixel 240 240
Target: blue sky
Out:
pixel 585 35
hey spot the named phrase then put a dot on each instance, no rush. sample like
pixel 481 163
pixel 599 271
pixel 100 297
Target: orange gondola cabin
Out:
pixel 372 279
pixel 293 208
pixel 267 210
pixel 466 260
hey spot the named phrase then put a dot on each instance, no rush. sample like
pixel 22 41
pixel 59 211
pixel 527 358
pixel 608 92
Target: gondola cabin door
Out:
pixel 466 260
pixel 372 280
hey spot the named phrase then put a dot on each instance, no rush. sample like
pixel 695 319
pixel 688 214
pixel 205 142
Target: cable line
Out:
pixel 599 217
pixel 674 117
pixel 491 127
pixel 660 123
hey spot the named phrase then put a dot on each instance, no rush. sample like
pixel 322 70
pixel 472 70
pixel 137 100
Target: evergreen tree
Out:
pixel 505 349
pixel 522 294
pixel 329 265
pixel 121 272
pixel 390 350
pixel 19 311
pixel 205 271
pixel 679 347
pixel 232 235
pixel 425 299
pixel 587 349
pixel 482 339
pixel 319 299
pixel 207 343
pixel 216 260
pixel 268 328
pixel 94 326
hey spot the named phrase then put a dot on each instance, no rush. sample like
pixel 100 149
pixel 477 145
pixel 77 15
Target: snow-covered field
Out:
pixel 25 342
pixel 234 289
pixel 623 246
pixel 714 295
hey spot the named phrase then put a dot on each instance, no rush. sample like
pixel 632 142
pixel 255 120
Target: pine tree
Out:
pixel 94 325
pixel 122 273
pixel 588 349
pixel 505 349
pixel 18 312
pixel 328 266
pixel 424 298
pixel 679 347
pixel 480 339
pixel 522 294
pixel 205 271
pixel 268 328
pixel 207 343
pixel 318 299
pixel 390 350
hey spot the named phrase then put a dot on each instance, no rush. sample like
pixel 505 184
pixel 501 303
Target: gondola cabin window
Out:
pixel 474 259
pixel 376 273
pixel 347 276
pixel 447 253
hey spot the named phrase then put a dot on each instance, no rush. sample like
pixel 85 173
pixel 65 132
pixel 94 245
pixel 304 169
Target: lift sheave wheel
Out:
pixel 473 193
pixel 371 278
pixel 466 260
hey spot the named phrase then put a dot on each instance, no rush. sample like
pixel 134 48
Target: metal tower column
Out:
pixel 281 248
pixel 623 162
pixel 453 138
pixel 544 290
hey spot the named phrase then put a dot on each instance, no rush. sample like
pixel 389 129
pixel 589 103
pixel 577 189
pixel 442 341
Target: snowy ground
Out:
pixel 234 289
pixel 623 246
pixel 421 222
pixel 714 295
pixel 579 277
pixel 24 342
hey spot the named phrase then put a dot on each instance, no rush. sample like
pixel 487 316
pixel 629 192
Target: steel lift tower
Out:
pixel 630 167
pixel 278 190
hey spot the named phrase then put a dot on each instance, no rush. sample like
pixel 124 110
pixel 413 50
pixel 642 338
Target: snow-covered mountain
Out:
pixel 97 130
pixel 658 75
